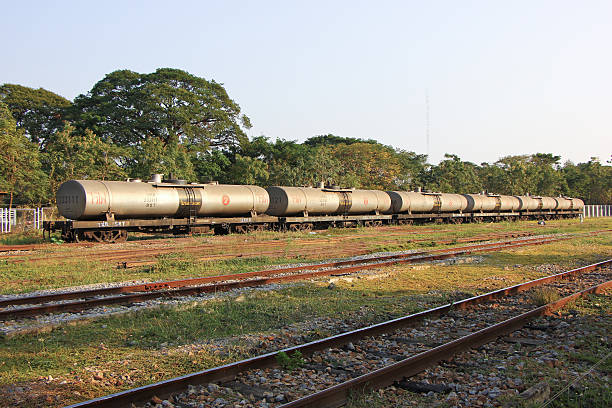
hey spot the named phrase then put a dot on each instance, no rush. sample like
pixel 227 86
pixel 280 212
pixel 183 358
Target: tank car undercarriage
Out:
pixel 117 231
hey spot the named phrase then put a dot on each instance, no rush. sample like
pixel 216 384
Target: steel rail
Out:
pixel 337 395
pixel 356 248
pixel 151 252
pixel 146 287
pixel 220 284
pixel 229 371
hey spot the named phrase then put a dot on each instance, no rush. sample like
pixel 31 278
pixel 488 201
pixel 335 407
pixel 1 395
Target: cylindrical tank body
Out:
pixel 528 203
pixel 577 204
pixel 474 202
pixel 226 199
pixel 548 203
pixel 490 203
pixel 400 202
pixel 563 203
pixel 369 201
pixel 452 202
pixel 93 199
pixel 509 203
pixel 411 201
pixel 295 200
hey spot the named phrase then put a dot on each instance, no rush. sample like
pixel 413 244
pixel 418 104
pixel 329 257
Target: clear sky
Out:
pixel 503 77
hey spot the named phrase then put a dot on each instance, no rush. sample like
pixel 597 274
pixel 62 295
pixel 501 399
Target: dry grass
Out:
pixel 544 296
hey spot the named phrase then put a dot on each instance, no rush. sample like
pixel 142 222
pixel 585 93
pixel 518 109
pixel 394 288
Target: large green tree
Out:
pixel 71 155
pixel 20 168
pixel 169 118
pixel 38 112
pixel 453 175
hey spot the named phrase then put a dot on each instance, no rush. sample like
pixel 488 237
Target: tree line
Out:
pixel 169 121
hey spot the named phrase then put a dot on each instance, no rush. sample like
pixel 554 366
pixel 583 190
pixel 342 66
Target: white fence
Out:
pixel 597 211
pixel 7 219
pixel 23 219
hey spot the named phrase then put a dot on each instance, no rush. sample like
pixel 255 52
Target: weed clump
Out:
pixel 544 296
pixel 290 363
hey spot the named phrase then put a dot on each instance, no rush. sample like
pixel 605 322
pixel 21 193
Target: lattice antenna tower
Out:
pixel 427 120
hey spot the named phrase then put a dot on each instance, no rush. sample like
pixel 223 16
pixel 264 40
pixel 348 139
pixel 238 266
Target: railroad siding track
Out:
pixel 143 253
pixel 143 292
pixel 367 358
pixel 351 249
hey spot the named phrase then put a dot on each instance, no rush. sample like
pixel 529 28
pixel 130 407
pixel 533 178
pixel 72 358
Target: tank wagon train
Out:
pixel 106 211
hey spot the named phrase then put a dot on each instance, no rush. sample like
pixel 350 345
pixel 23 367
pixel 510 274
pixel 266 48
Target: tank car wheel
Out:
pixel 77 236
pixel 241 229
pixel 120 235
pixel 294 227
pixel 306 226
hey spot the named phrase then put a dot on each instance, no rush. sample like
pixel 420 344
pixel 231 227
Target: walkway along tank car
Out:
pixel 105 211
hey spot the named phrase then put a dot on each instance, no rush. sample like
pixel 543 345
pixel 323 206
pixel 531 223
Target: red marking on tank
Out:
pixel 225 200
pixel 365 201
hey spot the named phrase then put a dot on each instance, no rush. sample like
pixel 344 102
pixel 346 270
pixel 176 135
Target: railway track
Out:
pixel 174 240
pixel 350 249
pixel 329 369
pixel 228 251
pixel 28 306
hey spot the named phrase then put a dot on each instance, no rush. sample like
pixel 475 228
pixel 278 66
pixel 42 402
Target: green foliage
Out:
pixel 74 156
pixel 37 111
pixel 167 117
pixel 331 140
pixel 453 176
pixel 20 168
pixel 366 165
pixel 247 170
pixel 290 363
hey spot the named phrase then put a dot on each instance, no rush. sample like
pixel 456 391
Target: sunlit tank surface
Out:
pixel 548 203
pixel 296 200
pixel 224 199
pixel 490 203
pixel 509 203
pixel 93 199
pixel 577 204
pixel 452 202
pixel 369 201
pixel 411 201
pixel 563 203
pixel 474 202
pixel 528 203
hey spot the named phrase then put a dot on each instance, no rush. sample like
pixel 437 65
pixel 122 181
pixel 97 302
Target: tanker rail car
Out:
pixel 106 211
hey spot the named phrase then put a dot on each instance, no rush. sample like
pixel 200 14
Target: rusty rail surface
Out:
pixel 337 395
pixel 145 287
pixel 140 253
pixel 229 371
pixel 219 283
